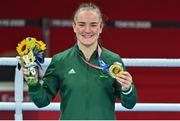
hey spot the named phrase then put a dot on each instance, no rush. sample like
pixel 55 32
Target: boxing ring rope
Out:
pixel 163 107
pixel 129 62
pixel 19 105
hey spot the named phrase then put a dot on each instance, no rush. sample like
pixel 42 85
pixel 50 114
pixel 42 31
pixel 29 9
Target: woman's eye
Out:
pixel 93 25
pixel 81 25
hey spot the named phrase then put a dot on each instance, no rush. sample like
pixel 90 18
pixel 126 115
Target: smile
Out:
pixel 87 36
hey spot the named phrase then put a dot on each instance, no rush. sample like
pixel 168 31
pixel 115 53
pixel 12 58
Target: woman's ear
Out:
pixel 73 25
pixel 101 27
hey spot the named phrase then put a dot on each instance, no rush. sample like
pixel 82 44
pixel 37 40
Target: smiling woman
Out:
pixel 88 24
pixel 81 74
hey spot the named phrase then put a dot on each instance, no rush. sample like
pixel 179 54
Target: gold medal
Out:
pixel 115 69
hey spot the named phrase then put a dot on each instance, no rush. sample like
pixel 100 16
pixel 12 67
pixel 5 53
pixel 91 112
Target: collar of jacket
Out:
pixel 80 53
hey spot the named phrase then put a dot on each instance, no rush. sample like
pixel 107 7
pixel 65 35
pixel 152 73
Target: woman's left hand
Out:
pixel 125 79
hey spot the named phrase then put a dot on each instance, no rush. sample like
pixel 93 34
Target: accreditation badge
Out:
pixel 115 69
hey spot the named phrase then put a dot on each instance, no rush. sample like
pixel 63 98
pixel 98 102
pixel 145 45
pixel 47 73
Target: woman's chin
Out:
pixel 88 41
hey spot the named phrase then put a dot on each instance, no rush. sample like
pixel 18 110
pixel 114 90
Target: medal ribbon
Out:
pixel 103 66
pixel 39 59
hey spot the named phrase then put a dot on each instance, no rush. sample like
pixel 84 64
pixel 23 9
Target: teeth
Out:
pixel 87 36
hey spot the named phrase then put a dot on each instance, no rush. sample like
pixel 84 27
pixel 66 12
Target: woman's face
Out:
pixel 87 27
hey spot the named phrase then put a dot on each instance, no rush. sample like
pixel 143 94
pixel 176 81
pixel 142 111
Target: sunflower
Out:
pixel 40 45
pixel 23 47
pixel 32 42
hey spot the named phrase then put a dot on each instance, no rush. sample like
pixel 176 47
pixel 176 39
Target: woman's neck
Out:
pixel 87 50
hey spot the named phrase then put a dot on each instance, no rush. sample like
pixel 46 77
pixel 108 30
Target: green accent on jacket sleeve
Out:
pixel 129 100
pixel 42 94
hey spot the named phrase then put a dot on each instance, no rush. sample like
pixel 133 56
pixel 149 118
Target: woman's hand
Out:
pixel 125 79
pixel 25 72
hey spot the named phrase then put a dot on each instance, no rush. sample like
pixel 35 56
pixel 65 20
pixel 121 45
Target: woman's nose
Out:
pixel 87 29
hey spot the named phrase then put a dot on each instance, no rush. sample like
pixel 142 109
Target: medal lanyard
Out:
pixel 103 66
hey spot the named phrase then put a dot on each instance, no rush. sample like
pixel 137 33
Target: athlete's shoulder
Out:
pixel 62 54
pixel 109 53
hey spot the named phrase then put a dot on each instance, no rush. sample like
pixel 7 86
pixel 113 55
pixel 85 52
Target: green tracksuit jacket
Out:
pixel 86 92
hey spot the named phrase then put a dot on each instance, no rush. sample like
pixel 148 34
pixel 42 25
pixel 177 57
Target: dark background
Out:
pixel 154 85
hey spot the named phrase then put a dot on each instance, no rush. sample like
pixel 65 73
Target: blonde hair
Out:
pixel 88 7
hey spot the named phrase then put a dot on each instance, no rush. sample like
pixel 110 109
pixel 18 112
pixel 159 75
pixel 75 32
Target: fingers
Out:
pixel 26 78
pixel 25 72
pixel 125 79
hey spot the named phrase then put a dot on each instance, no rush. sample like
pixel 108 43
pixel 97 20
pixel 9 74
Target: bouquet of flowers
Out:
pixel 31 52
